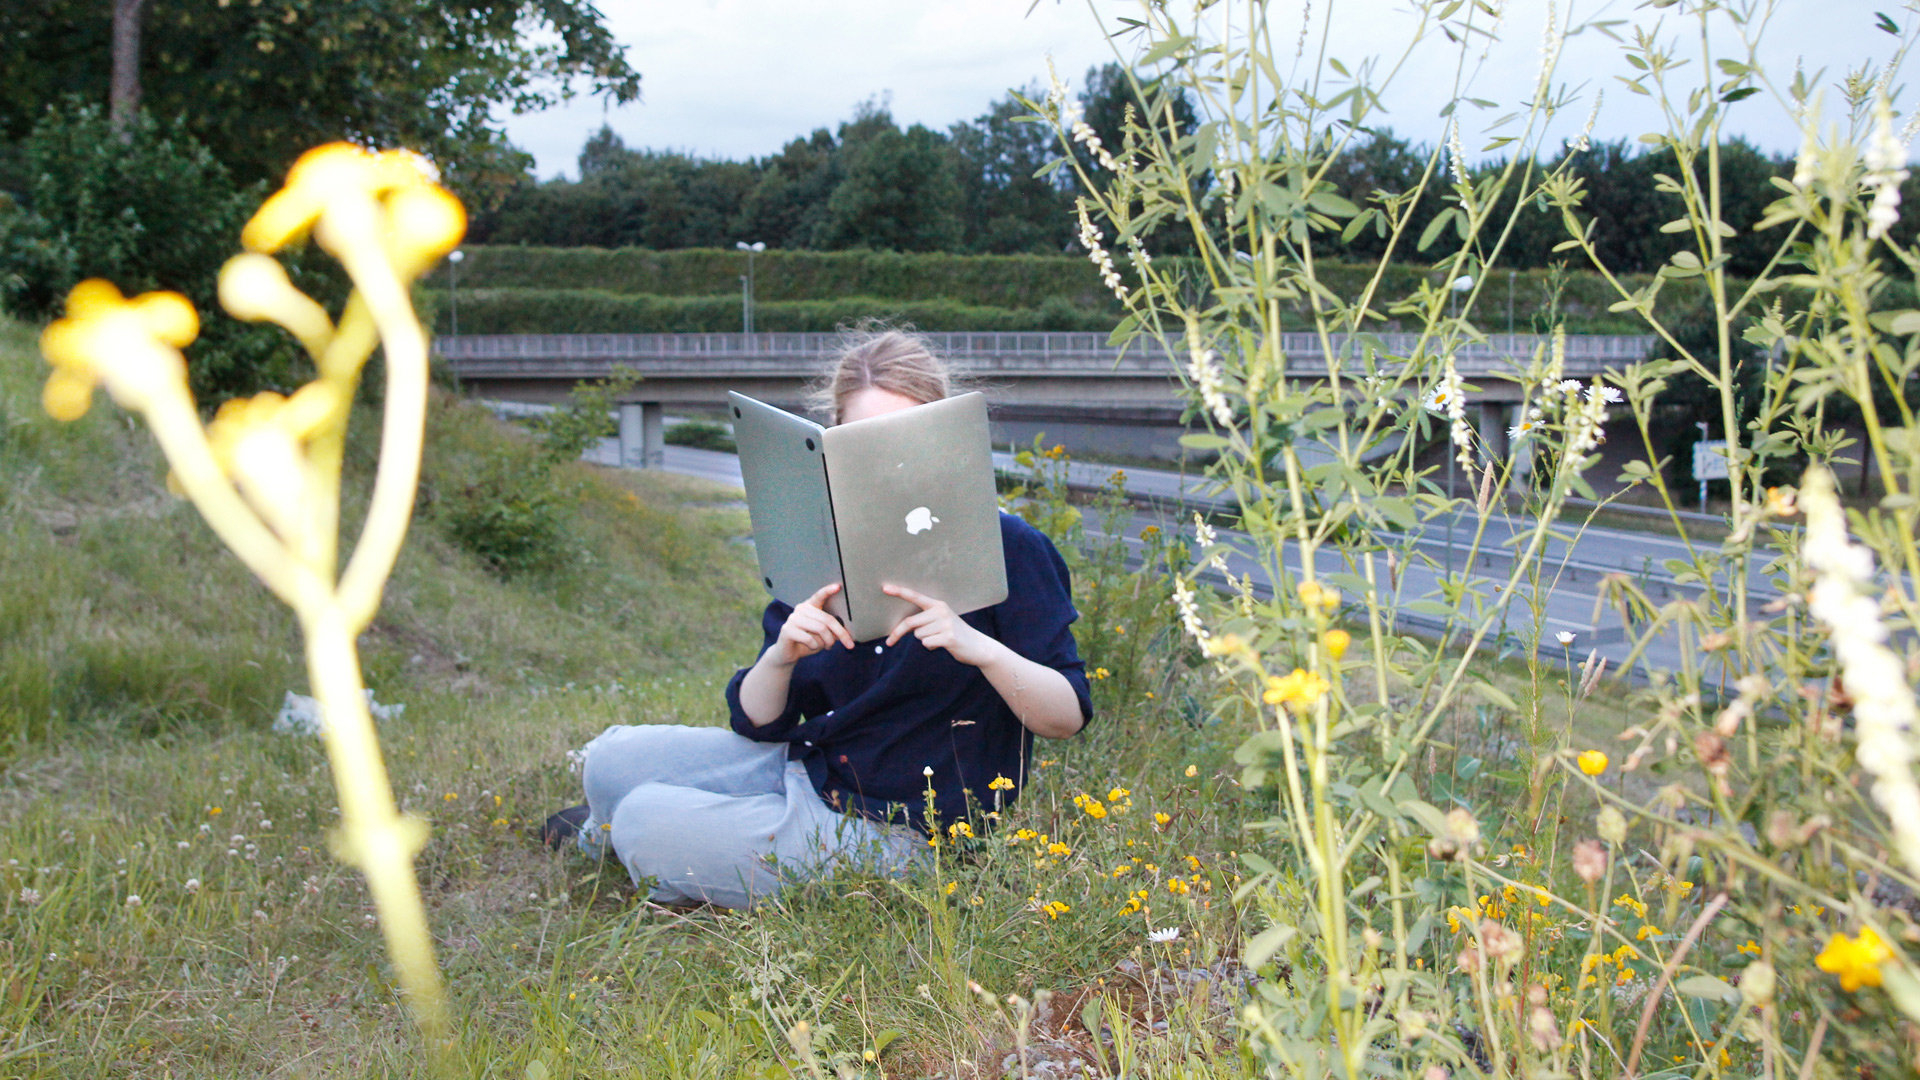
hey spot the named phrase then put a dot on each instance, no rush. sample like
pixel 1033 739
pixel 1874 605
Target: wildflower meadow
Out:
pixel 1307 835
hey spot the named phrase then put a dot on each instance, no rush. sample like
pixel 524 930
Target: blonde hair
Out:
pixel 875 355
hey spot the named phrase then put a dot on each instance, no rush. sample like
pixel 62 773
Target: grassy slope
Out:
pixel 141 764
pixel 140 670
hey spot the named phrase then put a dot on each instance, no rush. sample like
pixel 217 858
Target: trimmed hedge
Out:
pixel 506 290
pixel 591 311
pixel 1003 281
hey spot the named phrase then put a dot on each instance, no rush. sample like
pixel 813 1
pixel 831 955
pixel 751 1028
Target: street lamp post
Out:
pixel 746 283
pixel 453 292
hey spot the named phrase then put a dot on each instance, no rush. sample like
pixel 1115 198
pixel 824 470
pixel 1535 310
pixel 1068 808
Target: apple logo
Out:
pixel 919 520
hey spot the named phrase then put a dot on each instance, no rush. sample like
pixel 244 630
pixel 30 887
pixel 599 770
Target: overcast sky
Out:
pixel 739 78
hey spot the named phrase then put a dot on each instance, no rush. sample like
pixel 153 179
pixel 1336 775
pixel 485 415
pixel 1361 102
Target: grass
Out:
pixel 140 668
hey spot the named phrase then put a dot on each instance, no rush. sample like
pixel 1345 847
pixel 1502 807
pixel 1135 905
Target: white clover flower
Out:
pixel 1884 711
pixel 1097 254
pixel 29 896
pixel 1202 531
pixel 1886 158
pixel 183 845
pixel 1189 612
pixel 133 900
pixel 192 886
pixel 1161 937
pixel 1203 366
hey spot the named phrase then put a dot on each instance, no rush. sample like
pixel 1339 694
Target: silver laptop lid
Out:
pixel 782 466
pixel 914 504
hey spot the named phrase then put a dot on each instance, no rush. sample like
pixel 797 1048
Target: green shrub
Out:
pixel 155 211
pixel 702 435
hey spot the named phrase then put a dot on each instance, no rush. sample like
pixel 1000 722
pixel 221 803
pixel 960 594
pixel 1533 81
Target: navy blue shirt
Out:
pixel 867 722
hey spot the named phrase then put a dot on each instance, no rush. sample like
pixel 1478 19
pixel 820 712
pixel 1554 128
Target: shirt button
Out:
pixel 878 649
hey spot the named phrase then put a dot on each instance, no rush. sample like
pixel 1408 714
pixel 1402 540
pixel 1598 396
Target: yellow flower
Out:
pixel 1856 960
pixel 1593 762
pixel 1116 794
pixel 1750 948
pixel 1631 904
pixel 341 193
pixel 1298 690
pixel 959 829
pixel 1094 809
pixel 1161 820
pixel 1000 783
pixel 1176 886
pixel 1645 932
pixel 133 346
pixel 1336 642
pixel 1023 834
pixel 1055 908
pixel 1192 771
pixel 1313 594
pixel 451 796
pixel 1123 869
pixel 1102 673
pixel 1059 849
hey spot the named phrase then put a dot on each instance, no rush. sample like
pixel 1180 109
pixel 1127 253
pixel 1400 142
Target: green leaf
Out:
pixel 1266 943
pixel 1332 204
pixel 1200 440
pixel 1739 95
pixel 1883 23
pixel 1163 50
pixel 537 1070
pixel 1432 231
pixel 1709 987
pixel 1496 696
pixel 884 1040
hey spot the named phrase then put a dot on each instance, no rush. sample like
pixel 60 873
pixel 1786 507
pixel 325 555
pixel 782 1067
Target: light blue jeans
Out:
pixel 714 817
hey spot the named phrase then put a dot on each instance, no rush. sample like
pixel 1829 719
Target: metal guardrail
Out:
pixel 1039 352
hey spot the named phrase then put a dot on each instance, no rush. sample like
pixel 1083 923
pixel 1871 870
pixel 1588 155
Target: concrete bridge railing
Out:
pixel 1039 353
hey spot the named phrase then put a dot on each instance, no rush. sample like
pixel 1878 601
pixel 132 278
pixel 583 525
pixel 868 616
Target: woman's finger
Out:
pixel 910 624
pixel 911 595
pixel 820 595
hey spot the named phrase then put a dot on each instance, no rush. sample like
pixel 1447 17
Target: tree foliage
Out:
pixel 260 81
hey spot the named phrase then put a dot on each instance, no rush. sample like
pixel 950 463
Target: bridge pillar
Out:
pixel 1493 428
pixel 643 443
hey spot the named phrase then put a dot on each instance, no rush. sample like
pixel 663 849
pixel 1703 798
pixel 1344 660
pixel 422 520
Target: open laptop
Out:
pixel 904 498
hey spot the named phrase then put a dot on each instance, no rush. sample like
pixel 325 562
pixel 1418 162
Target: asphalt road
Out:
pixel 1572 565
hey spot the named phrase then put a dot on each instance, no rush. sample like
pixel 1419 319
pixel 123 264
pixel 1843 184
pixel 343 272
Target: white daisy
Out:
pixel 1161 937
pixel 1608 394
pixel 1524 429
pixel 1564 637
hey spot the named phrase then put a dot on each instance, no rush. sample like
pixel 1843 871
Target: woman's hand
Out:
pixel 809 630
pixel 938 627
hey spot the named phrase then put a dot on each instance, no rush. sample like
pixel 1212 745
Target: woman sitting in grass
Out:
pixel 835 743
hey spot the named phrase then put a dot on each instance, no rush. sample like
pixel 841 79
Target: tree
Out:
pixel 258 82
pixel 1005 207
pixel 899 195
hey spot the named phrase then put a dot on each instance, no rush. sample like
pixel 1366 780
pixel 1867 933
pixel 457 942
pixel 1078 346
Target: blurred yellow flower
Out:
pixel 133 346
pixel 1298 690
pixel 1192 771
pixel 1750 948
pixel 1116 794
pixel 1592 762
pixel 1161 819
pixel 1856 960
pixel 1101 673
pixel 1336 642
pixel 1000 783
pixel 1055 908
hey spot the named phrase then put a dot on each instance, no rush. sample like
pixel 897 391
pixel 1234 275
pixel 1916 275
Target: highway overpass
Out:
pixel 1075 386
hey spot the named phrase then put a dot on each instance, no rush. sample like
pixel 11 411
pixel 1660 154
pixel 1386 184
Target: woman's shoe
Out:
pixel 561 829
